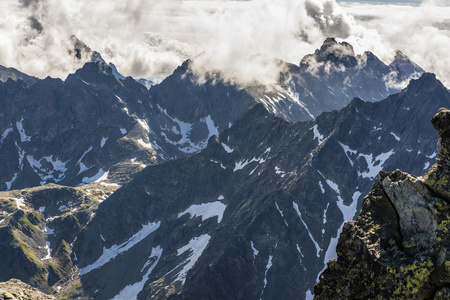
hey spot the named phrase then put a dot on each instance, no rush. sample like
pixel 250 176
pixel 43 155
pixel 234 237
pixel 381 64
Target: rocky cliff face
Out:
pixel 256 213
pixel 398 246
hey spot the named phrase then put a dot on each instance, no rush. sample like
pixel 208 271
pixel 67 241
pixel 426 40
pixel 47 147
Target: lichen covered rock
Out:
pixel 15 289
pixel 398 246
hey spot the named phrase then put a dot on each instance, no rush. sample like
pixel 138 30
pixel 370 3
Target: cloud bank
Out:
pixel 151 38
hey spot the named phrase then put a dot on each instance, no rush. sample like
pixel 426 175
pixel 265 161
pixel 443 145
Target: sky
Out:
pixel 149 39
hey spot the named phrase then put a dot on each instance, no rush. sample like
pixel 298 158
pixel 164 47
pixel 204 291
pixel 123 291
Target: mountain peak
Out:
pixel 403 63
pixel 400 56
pixel 426 82
pixel 334 52
pixel 80 49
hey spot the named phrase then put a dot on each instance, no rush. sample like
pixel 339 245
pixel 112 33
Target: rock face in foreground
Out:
pixel 15 289
pixel 398 246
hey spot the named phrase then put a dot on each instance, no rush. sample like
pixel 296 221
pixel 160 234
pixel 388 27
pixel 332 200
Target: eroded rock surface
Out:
pixel 398 246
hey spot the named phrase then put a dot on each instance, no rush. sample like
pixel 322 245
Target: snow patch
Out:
pixel 103 141
pixel 23 135
pixel 281 213
pixel 348 212
pixel 432 155
pixel 306 226
pixel 20 202
pixel 185 132
pixel 279 172
pixel 100 176
pixel 213 130
pixel 5 134
pixel 49 251
pixel 195 247
pixel 49 231
pixel 240 165
pixel 300 251
pixel 347 152
pixel 55 172
pixel 131 291
pixel 206 210
pixel 321 187
pixel 244 162
pixel 395 136
pixel 255 252
pixel 9 183
pixel 79 162
pixel 317 134
pixel 120 100
pixel 374 165
pixel 324 220
pixel 268 266
pixel 116 250
pixel 228 149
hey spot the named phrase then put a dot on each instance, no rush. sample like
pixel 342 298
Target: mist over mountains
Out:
pixel 149 39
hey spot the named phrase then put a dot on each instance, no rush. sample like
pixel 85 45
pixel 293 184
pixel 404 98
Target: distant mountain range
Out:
pixel 97 122
pixel 211 190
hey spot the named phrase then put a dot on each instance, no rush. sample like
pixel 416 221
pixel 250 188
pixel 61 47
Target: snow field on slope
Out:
pixel 374 165
pixel 206 210
pixel 255 251
pixel 115 250
pixel 131 291
pixel 195 247
pixel 185 132
pixel 318 249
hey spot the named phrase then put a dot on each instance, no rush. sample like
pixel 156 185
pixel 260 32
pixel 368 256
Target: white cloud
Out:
pixel 421 32
pixel 151 38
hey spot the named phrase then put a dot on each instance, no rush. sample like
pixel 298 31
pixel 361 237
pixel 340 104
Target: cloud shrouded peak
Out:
pixel 151 38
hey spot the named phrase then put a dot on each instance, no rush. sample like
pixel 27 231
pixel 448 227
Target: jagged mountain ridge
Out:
pixel 246 206
pixel 110 125
pixel 15 75
pixel 398 246
pixel 323 81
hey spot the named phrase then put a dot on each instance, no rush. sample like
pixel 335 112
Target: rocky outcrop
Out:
pixel 398 246
pixel 15 289
pixel 37 228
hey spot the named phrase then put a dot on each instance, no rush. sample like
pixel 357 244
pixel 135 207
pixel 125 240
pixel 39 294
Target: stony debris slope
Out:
pixel 398 246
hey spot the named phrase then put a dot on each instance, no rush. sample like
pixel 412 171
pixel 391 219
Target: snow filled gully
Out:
pixel 116 250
